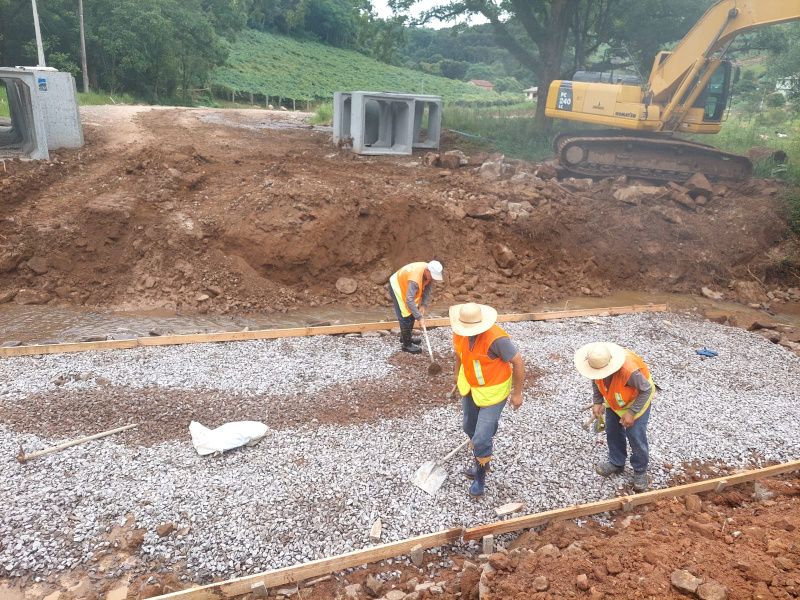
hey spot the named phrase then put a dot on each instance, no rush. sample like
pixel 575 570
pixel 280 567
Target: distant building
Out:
pixel 531 93
pixel 482 83
pixel 787 84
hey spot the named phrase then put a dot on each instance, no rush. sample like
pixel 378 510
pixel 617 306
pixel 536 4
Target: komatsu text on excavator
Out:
pixel 688 92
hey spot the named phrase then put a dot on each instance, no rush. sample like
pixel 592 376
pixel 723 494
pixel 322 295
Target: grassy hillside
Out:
pixel 277 66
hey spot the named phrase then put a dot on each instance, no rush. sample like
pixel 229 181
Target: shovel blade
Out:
pixel 429 477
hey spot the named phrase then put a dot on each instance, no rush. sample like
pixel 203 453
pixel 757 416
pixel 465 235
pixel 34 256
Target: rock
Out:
pixel 685 581
pixel 9 261
pixel 436 589
pixel 500 561
pixel 548 550
pixel 488 544
pixel 352 590
pixel 38 265
pixel 412 596
pixel 701 200
pixel 711 294
pixel 509 509
pixel 431 159
pixel 214 290
pixel 165 529
pixel 201 297
pixel 540 584
pixel 53 596
pixel 749 292
pixel 546 171
pixel 776 548
pixel 635 194
pixel 453 159
pixel 346 285
pixel 28 297
pixel 11 344
pixel 670 215
pixel 424 586
pixel 417 555
pixel 711 590
pixel 577 185
pixel 582 582
pixel 693 503
pixel 479 208
pixel 761 493
pixel 373 585
pixel 379 276
pixel 493 170
pixel 683 199
pixel 395 595
pixel 613 565
pixel 7 296
pixel 503 256
pixel 698 185
pixel 785 563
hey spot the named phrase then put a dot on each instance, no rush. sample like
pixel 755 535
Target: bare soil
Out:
pixel 234 211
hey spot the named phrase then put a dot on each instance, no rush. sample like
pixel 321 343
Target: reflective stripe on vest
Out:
pixel 488 380
pixel 619 395
pixel 399 282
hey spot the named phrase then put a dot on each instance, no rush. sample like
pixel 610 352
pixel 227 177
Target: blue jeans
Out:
pixel 636 436
pixel 406 323
pixel 480 424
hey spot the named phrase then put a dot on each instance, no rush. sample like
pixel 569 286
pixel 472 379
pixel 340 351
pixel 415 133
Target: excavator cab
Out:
pixel 715 97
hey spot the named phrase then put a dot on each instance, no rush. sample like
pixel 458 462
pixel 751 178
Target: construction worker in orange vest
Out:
pixel 410 290
pixel 488 370
pixel 623 388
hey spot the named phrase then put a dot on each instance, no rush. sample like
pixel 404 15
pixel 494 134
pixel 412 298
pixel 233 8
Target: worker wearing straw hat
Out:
pixel 410 290
pixel 623 388
pixel 488 370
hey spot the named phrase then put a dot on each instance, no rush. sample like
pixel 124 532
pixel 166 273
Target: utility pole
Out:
pixel 39 46
pixel 84 68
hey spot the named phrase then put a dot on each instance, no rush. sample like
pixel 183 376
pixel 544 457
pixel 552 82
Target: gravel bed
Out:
pixel 313 491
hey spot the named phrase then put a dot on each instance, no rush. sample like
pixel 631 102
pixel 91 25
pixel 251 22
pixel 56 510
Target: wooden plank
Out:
pixel 297 573
pixel 593 508
pixel 23 458
pixel 267 334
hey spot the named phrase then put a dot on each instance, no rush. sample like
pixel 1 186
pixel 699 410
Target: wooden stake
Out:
pixel 23 458
pixel 266 334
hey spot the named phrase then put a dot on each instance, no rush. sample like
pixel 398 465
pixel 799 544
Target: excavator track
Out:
pixel 652 157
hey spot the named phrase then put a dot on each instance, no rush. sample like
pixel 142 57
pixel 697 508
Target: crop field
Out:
pixel 277 66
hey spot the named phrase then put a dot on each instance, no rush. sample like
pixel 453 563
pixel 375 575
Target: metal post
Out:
pixel 39 46
pixel 84 68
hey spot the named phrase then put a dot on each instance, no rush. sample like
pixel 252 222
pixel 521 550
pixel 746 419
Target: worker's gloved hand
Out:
pixel 421 322
pixel 516 400
pixel 627 420
pixel 598 409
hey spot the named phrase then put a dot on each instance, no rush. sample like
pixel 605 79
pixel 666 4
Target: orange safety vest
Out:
pixel 618 394
pixel 488 379
pixel 400 280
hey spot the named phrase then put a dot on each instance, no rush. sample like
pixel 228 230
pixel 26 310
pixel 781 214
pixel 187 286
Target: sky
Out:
pixel 383 10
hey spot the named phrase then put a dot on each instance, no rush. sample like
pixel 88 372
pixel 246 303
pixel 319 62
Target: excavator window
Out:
pixel 714 99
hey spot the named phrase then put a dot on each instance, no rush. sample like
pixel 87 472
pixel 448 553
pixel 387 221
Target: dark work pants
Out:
pixel 406 323
pixel 636 436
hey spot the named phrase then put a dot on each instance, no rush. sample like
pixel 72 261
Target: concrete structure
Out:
pixel 44 113
pixel 386 123
pixel 531 93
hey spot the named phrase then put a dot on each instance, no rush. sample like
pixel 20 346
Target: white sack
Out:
pixel 225 437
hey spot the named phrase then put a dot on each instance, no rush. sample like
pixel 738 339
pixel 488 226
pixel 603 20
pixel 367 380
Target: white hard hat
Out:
pixel 436 268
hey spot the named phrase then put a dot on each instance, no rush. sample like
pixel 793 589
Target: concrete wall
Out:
pixel 59 100
pixel 386 123
pixel 24 135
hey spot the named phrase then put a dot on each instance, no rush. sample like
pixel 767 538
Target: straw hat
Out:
pixel 598 360
pixel 471 319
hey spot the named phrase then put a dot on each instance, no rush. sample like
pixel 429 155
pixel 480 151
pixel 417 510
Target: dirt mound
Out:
pixel 199 216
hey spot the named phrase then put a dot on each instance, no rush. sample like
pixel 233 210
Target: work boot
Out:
pixel 606 469
pixel 414 339
pixel 479 482
pixel 470 471
pixel 640 481
pixel 408 345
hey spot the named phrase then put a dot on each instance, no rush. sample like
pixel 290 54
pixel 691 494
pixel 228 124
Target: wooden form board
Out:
pixel 298 573
pixel 266 334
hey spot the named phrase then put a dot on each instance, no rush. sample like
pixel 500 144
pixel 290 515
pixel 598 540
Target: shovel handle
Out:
pixel 427 341
pixel 453 453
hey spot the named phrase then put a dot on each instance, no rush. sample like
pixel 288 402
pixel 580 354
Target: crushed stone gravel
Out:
pixel 314 489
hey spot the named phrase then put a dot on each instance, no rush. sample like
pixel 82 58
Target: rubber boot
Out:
pixel 408 345
pixel 470 471
pixel 479 482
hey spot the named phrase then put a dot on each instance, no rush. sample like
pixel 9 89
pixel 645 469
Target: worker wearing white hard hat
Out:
pixel 411 291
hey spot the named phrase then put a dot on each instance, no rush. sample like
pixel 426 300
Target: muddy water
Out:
pixel 31 324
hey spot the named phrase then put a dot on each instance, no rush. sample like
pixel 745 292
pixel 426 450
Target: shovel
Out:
pixel 434 368
pixel 431 474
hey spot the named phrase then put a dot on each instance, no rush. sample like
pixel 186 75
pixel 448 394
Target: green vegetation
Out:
pixel 100 98
pixel 323 115
pixel 3 101
pixel 277 66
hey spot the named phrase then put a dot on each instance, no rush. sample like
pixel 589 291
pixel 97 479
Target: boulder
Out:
pixel 431 159
pixel 38 265
pixel 453 159
pixel 635 194
pixel 351 591
pixel 9 261
pixel 711 294
pixel 546 171
pixel 613 565
pixel 27 297
pixel 346 285
pixel 491 170
pixel 480 208
pixel 698 185
pixel 685 581
pixel 711 590
pixel 165 529
pixel 373 585
pixel 749 292
pixel 503 256
pixel 582 582
pixel 540 584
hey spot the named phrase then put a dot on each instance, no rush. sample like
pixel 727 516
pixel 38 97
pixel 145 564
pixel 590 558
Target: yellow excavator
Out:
pixel 688 92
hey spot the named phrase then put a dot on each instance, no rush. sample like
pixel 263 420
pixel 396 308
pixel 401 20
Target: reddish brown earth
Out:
pixel 163 209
